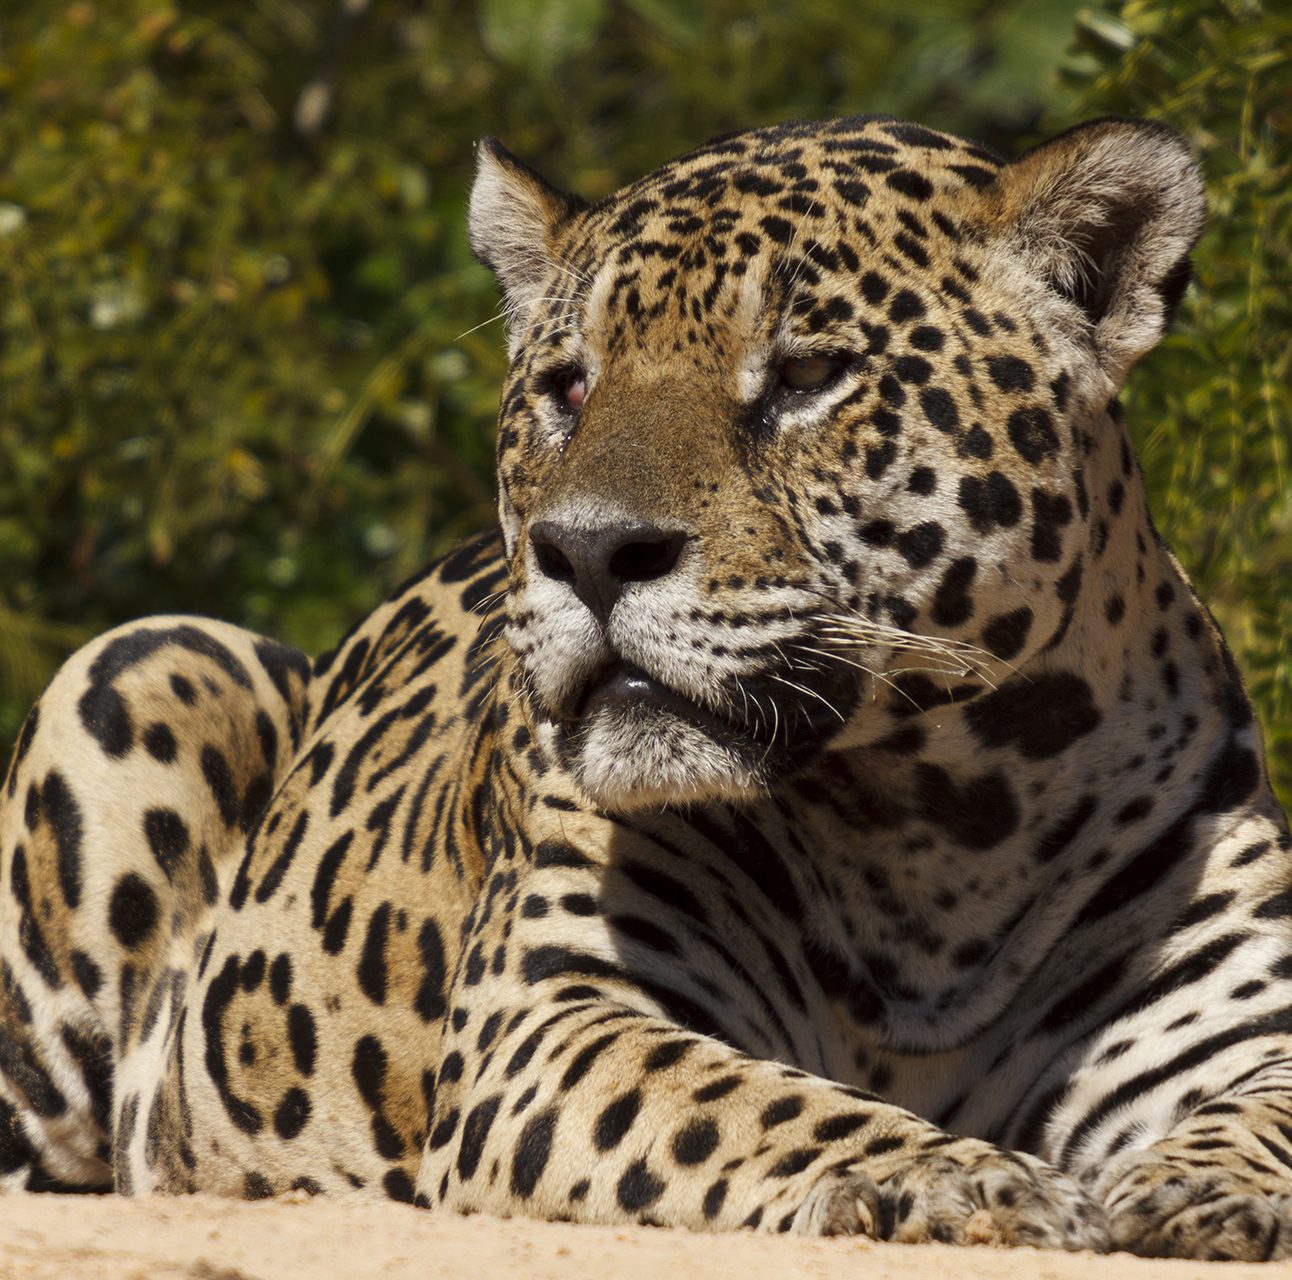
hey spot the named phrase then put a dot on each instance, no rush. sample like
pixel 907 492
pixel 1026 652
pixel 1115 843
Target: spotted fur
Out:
pixel 824 806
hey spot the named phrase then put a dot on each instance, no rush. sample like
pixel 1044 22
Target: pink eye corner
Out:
pixel 576 392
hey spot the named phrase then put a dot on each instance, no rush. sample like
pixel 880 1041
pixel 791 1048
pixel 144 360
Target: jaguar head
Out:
pixel 809 427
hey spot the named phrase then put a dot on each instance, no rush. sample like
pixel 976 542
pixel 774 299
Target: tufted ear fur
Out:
pixel 1106 214
pixel 512 221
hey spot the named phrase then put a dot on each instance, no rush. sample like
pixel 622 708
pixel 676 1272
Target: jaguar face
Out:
pixel 794 440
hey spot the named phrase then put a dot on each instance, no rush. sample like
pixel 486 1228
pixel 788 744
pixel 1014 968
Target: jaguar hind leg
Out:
pixel 134 781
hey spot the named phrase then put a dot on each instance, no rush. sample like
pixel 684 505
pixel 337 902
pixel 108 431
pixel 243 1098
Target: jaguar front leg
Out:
pixel 1218 1186
pixel 590 1110
pixel 576 1084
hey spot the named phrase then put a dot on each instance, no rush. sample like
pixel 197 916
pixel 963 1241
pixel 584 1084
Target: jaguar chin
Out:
pixel 634 742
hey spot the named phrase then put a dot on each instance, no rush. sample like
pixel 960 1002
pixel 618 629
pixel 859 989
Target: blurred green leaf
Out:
pixel 536 36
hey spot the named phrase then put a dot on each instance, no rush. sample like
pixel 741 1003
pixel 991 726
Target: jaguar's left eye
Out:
pixel 810 373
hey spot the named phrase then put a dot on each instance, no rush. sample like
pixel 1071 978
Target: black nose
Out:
pixel 598 562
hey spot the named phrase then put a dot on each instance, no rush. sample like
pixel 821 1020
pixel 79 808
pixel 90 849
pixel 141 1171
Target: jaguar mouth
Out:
pixel 763 713
pixel 621 686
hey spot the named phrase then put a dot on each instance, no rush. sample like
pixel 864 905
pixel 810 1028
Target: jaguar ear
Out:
pixel 512 222
pixel 1106 214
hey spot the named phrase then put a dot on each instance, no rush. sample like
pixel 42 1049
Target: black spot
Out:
pixel 220 993
pixel 638 1188
pixel 717 1089
pixel 183 689
pixel 1010 373
pixel 877 533
pixel 582 1062
pixel 64 816
pixel 1069 585
pixel 215 769
pixel 1041 716
pixel 372 961
pixel 695 1143
pixel 273 877
pixel 429 1001
pixel 475 1131
pixel 23 746
pixel 912 369
pixel 160 743
pixel 553 853
pixel 1134 810
pixel 1032 434
pixel 874 289
pixel 976 443
pixel 1006 633
pixel 940 409
pixel 167 838
pixel 922 480
pixel 532 1151
pixel 793 1162
pixel 88 975
pixel 280 978
pixel 952 603
pixel 713 1199
pixel 1231 777
pixel 781 1110
pixel 1050 514
pixel 303 1038
pixel 667 1054
pixel 879 458
pixel 325 877
pixel 398 1186
pixel 978 815
pixel 909 183
pixel 777 229
pixel 253 971
pixel 916 135
pixel 904 306
pixel 444 1130
pixel 616 1119
pixel 292 1113
pixel 909 247
pixel 921 545
pixel 836 1128
pixel 132 911
pixel 990 502
pixel 320 761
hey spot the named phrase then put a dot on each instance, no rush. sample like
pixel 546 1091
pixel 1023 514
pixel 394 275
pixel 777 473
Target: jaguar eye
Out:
pixel 809 373
pixel 566 386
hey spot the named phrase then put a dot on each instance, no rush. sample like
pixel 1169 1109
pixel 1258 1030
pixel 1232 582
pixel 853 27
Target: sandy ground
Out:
pixel 103 1238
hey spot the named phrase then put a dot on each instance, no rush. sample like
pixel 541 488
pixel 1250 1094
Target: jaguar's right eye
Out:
pixel 567 387
pixel 576 391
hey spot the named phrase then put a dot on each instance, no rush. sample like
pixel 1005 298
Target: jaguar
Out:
pixel 822 805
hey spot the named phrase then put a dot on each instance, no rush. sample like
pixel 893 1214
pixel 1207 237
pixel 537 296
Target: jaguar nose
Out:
pixel 598 563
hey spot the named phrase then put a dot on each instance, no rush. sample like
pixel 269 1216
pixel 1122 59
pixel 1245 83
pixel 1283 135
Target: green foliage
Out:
pixel 248 368
pixel 1212 407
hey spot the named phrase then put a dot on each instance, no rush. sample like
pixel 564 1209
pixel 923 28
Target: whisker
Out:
pixel 811 693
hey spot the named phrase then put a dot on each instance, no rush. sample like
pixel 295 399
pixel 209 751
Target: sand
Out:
pixel 49 1237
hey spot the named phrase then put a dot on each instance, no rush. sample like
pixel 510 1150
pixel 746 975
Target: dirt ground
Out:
pixel 104 1238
